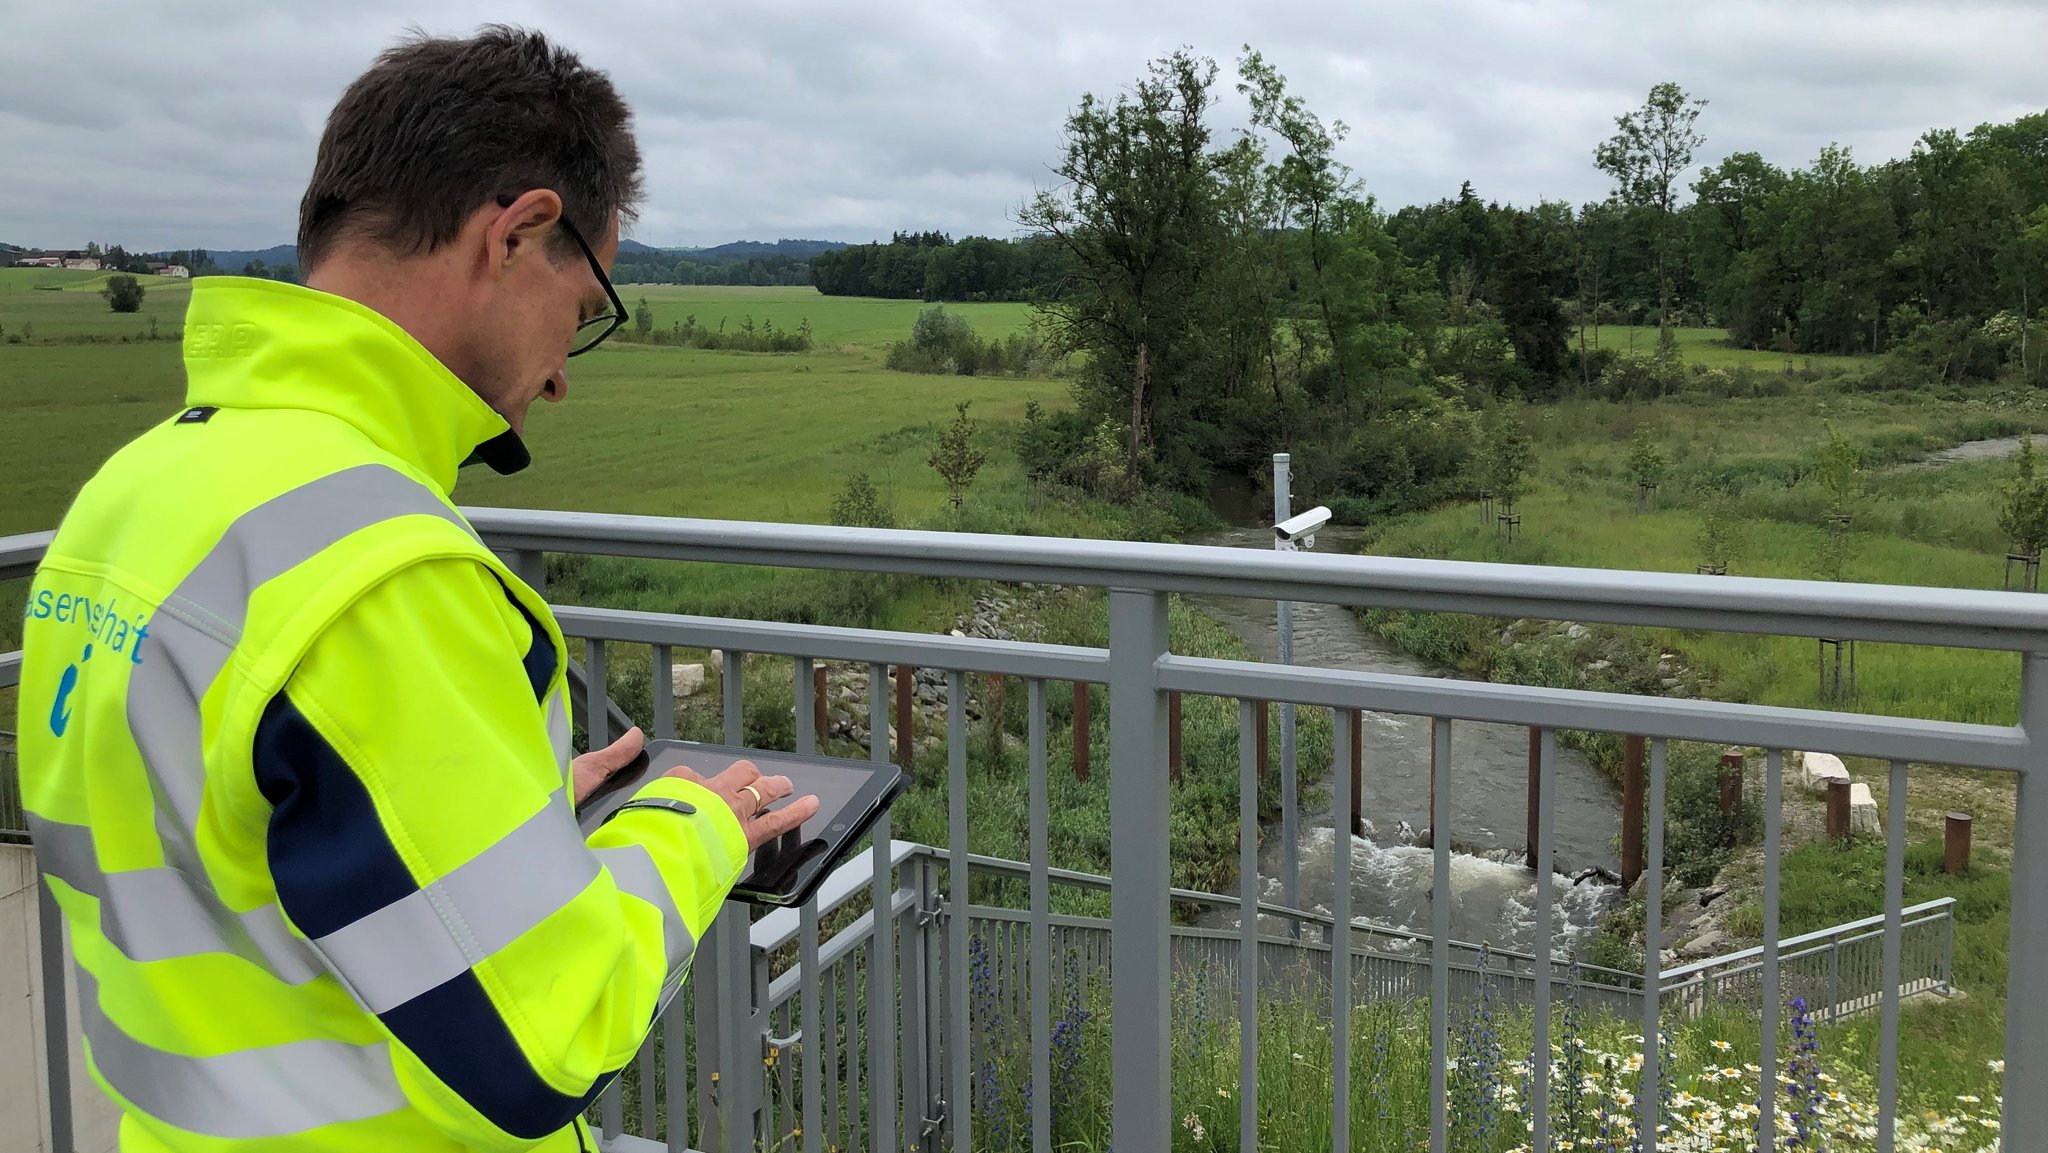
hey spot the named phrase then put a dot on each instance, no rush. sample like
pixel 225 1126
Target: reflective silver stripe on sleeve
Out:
pixel 157 913
pixel 170 912
pixel 634 871
pixel 560 734
pixel 198 625
pixel 273 1091
pixel 424 939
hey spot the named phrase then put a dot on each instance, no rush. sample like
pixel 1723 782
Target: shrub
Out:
pixel 123 293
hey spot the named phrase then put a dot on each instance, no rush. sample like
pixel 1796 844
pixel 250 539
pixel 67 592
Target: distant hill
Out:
pixel 737 249
pixel 233 259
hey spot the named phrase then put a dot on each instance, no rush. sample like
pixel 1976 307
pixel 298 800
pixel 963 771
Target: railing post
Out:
pixel 1081 730
pixel 1535 796
pixel 1838 810
pixel 1631 810
pixel 2026 999
pixel 906 695
pixel 1260 718
pixel 1173 736
pixel 1955 846
pixel 1140 1006
pixel 56 1026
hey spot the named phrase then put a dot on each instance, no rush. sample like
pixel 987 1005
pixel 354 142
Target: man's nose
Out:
pixel 557 387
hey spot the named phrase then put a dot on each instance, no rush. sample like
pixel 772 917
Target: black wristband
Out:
pixel 668 804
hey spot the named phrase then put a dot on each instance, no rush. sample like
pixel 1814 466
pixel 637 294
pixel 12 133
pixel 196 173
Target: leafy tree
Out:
pixel 1841 473
pixel 956 460
pixel 1508 453
pixel 860 506
pixel 1535 324
pixel 643 318
pixel 1718 531
pixel 123 293
pixel 1646 157
pixel 1646 462
pixel 2023 511
pixel 1135 216
pixel 256 268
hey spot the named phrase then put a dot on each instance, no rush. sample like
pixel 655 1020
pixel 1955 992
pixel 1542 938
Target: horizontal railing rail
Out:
pixel 766 1064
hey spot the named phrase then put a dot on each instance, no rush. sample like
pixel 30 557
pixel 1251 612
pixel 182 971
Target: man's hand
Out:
pixel 591 769
pixel 740 784
pixel 742 787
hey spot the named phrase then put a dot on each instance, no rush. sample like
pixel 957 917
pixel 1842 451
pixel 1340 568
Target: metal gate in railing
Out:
pixel 915 1025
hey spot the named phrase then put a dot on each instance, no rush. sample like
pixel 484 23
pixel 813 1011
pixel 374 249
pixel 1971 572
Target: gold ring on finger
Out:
pixel 760 802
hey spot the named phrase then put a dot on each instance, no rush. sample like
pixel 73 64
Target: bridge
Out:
pixel 851 1024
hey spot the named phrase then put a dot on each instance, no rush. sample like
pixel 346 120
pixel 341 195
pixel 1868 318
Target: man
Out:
pixel 294 742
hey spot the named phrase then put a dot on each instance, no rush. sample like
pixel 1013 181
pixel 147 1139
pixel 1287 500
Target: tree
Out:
pixel 1717 532
pixel 860 506
pixel 1508 454
pixel 1841 475
pixel 643 318
pixel 1135 217
pixel 1645 463
pixel 956 460
pixel 123 293
pixel 2023 512
pixel 1646 158
pixel 1536 326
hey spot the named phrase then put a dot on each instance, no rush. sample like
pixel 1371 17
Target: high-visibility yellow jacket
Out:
pixel 296 751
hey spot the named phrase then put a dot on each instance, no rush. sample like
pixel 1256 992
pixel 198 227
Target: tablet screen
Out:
pixel 833 785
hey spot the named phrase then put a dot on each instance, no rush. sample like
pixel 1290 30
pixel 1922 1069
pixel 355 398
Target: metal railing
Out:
pixel 760 1047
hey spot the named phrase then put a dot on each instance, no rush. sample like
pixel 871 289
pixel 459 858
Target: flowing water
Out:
pixel 1493 896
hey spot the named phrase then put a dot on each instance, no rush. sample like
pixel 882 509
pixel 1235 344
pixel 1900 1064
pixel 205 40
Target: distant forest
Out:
pixel 932 266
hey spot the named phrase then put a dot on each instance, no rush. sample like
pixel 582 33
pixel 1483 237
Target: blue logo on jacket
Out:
pixel 60 709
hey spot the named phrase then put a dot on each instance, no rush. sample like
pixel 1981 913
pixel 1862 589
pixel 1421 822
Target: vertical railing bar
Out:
pixel 1894 906
pixel 1141 1007
pixel 1248 929
pixel 644 1060
pixel 830 1046
pixel 1539 1057
pixel 854 1100
pixel 1041 924
pixel 56 1029
pixel 882 1014
pixel 806 706
pixel 611 1108
pixel 1774 783
pixel 676 1067
pixel 1340 933
pixel 807 995
pixel 959 1041
pixel 596 696
pixel 1650 1100
pixel 1440 943
pixel 2025 1110
pixel 664 693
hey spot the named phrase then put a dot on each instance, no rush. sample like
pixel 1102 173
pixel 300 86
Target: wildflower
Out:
pixel 1723 1046
pixel 1223 1093
pixel 1193 1124
pixel 1996 1066
pixel 1969 1098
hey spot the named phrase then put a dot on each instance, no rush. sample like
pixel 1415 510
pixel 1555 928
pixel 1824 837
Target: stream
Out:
pixel 1493 896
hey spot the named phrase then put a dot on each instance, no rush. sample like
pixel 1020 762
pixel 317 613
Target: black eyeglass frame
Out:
pixel 613 321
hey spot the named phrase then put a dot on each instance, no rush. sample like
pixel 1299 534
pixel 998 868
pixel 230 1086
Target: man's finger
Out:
pixel 771 825
pixel 736 776
pixel 617 755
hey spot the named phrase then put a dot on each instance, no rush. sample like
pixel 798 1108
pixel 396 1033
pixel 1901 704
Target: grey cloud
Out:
pixel 195 123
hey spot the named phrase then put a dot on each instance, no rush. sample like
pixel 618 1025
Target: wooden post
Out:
pixel 1955 845
pixel 1838 810
pixel 1731 782
pixel 1173 737
pixel 995 717
pixel 1259 716
pixel 1535 794
pixel 906 700
pixel 1631 810
pixel 818 718
pixel 1080 730
pixel 1357 772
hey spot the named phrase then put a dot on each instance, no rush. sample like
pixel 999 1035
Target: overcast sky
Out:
pixel 159 125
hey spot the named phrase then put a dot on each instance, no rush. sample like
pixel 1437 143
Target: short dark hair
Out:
pixel 439 127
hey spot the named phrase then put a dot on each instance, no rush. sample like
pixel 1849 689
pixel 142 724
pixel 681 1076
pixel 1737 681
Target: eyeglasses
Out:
pixel 592 332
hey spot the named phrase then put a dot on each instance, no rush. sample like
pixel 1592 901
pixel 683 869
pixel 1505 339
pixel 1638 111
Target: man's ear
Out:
pixel 520 230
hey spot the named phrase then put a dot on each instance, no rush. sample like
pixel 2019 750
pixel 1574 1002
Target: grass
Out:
pixel 1698 346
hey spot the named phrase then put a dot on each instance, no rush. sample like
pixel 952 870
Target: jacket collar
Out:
pixel 253 343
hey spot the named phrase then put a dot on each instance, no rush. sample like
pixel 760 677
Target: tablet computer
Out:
pixel 786 871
